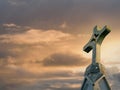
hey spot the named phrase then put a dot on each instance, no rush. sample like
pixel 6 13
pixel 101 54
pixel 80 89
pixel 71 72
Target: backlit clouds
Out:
pixel 24 46
pixel 33 36
pixel 14 77
pixel 65 59
pixel 24 59
pixel 54 80
pixel 33 58
pixel 41 42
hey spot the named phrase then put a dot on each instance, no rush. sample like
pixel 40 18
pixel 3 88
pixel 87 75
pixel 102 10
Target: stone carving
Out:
pixel 94 75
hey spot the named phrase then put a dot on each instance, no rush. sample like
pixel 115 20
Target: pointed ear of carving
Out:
pixel 100 34
pixel 104 32
pixel 95 28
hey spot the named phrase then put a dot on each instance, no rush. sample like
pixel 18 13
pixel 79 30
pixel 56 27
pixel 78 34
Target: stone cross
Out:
pixel 94 75
pixel 95 43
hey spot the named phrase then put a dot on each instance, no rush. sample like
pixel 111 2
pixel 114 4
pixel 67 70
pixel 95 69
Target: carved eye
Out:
pixel 96 35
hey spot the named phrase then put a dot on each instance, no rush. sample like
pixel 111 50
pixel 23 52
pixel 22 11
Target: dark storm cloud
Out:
pixel 78 15
pixel 65 59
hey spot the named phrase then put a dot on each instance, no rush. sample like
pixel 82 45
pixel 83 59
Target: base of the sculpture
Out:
pixel 95 78
pixel 101 84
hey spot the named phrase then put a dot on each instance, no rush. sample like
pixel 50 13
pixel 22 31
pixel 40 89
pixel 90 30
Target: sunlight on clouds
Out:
pixel 111 52
pixel 65 85
pixel 10 25
pixel 41 42
pixel 66 63
pixel 35 36
pixel 63 25
pixel 32 46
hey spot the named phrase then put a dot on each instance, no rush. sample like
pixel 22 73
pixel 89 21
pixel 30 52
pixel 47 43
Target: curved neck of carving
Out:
pixel 96 53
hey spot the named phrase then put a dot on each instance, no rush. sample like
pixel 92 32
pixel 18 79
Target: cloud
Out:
pixel 113 75
pixel 17 78
pixel 71 84
pixel 64 25
pixel 79 15
pixel 35 36
pixel 65 59
pixel 22 45
pixel 11 28
pixel 33 32
pixel 10 25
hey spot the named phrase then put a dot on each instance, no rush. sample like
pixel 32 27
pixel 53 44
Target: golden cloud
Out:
pixel 36 36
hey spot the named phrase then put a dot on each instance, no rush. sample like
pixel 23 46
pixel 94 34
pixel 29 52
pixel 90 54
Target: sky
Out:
pixel 41 42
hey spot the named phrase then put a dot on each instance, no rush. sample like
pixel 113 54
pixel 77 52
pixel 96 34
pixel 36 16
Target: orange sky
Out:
pixel 41 42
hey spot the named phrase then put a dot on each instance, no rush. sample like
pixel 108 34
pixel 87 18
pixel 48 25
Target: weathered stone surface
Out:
pixel 94 74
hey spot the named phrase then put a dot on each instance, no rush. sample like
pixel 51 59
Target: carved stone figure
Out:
pixel 95 76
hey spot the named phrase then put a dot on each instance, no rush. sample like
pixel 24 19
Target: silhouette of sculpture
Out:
pixel 95 75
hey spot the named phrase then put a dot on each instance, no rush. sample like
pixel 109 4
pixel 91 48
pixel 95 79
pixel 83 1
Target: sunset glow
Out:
pixel 41 42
